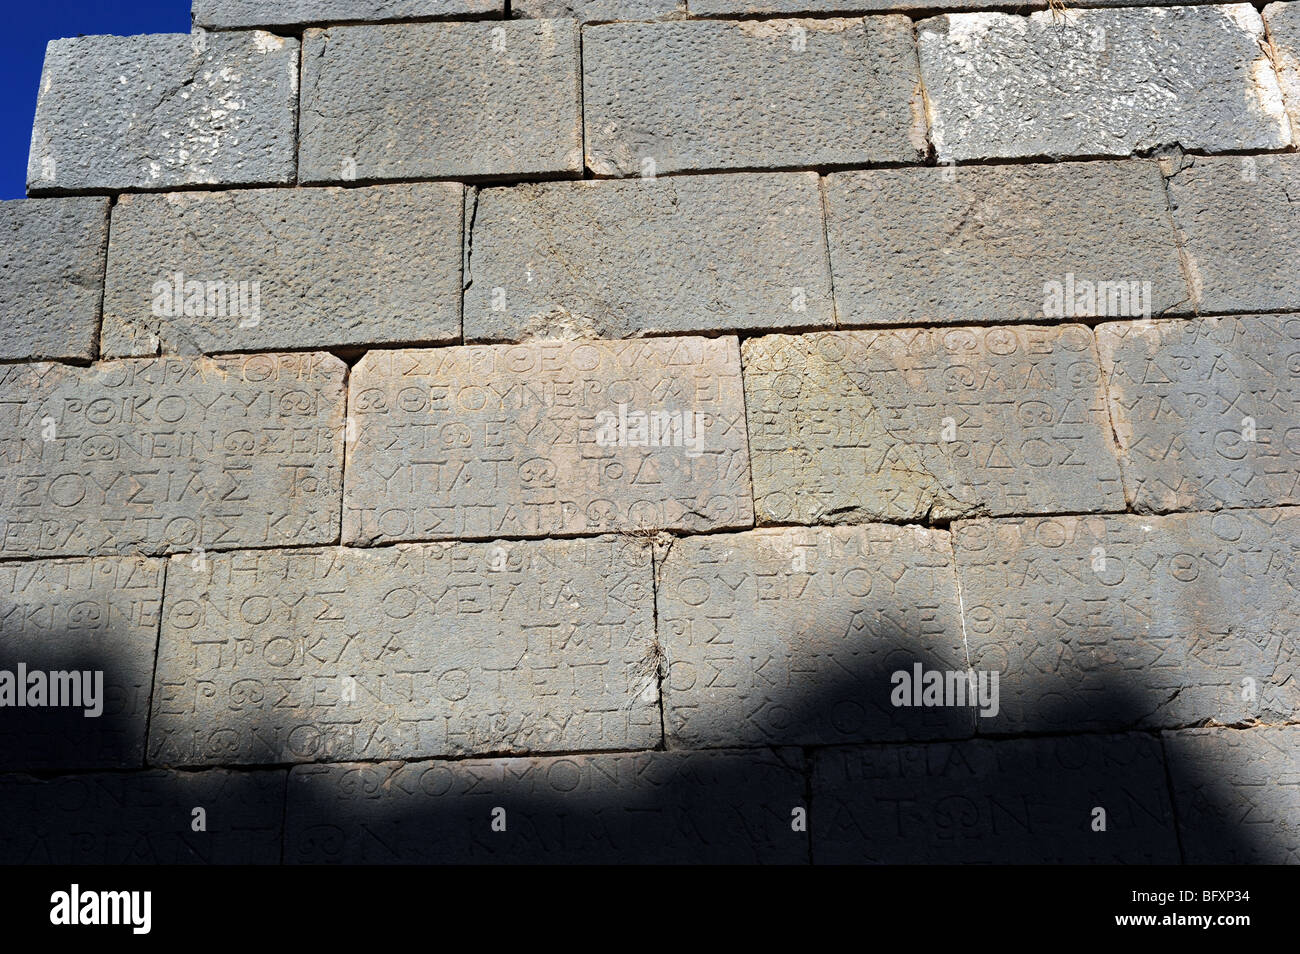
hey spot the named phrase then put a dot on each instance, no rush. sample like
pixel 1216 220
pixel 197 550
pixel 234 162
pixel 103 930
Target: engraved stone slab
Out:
pixel 1207 412
pixel 167 454
pixel 643 807
pixel 1132 621
pixel 793 636
pixel 89 627
pixel 901 425
pixel 597 11
pixel 274 656
pixel 548 438
pixel 1013 801
pixel 260 269
pixel 294 13
pixel 618 259
pixel 1283 21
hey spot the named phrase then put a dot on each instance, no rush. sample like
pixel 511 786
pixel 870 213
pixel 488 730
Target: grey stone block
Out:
pixel 795 635
pixel 451 100
pixel 1283 21
pixel 297 13
pixel 166 455
pixel 272 656
pixel 97 620
pixel 1129 621
pixel 598 11
pixel 1240 231
pixel 928 423
pixel 1002 243
pixel 711 94
pixel 1101 83
pixel 1237 793
pixel 1205 411
pixel 289 268
pixel 634 807
pixel 165 110
pixel 142 818
pixel 1014 801
pixel 51 277
pixel 617 259
pixel 555 438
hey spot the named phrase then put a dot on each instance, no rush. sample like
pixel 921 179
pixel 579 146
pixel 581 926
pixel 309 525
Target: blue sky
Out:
pixel 27 27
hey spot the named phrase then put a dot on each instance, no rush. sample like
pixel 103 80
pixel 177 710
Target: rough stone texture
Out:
pixel 1206 412
pixel 909 424
pixel 791 636
pixel 597 11
pixel 1283 20
pixel 984 243
pixel 275 656
pixel 614 259
pixel 158 455
pixel 99 615
pixel 463 100
pixel 710 94
pixel 296 13
pixel 165 110
pixel 1240 230
pixel 1127 621
pixel 526 440
pixel 703 8
pixel 1247 781
pixel 51 277
pixel 638 807
pixel 1018 801
pixel 1106 83
pixel 142 818
pixel 321 267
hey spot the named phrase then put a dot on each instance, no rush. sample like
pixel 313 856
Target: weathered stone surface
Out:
pixel 1000 243
pixel 1104 83
pixel 614 259
pixel 1240 231
pixel 709 94
pixel 1206 412
pixel 463 100
pixel 643 807
pixel 170 454
pixel 142 818
pixel 1283 20
pixel 598 11
pixel 296 13
pixel 1237 793
pixel 901 425
pixel 165 110
pixel 274 656
pixel 529 440
pixel 1130 621
pixel 51 276
pixel 793 635
pixel 79 617
pixel 1016 801
pixel 290 268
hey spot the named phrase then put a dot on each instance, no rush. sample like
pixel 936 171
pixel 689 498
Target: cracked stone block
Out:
pixel 1126 621
pixel 52 263
pixel 89 629
pixel 1240 227
pixel 157 455
pixel 1283 20
pixel 1206 412
pixel 1010 801
pixel 599 11
pixel 259 269
pixel 712 94
pixel 908 424
pixel 1100 82
pixel 797 636
pixel 142 818
pixel 274 656
pixel 618 259
pixel 544 439
pixel 297 13
pixel 165 110
pixel 631 807
pixel 1237 793
pixel 449 100
pixel 1002 243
